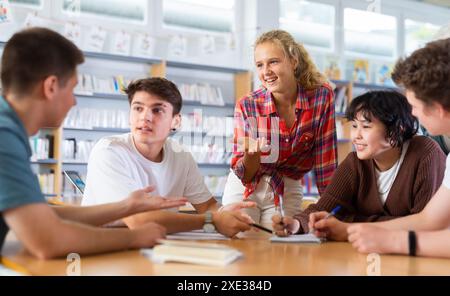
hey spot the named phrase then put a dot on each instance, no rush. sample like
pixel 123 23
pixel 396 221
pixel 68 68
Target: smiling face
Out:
pixel 369 137
pixel 275 69
pixel 151 118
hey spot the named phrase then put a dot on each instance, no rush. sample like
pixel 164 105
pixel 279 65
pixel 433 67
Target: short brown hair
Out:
pixel 32 55
pixel 427 73
pixel 166 90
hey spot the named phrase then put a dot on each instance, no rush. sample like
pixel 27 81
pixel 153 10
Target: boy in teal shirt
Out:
pixel 38 74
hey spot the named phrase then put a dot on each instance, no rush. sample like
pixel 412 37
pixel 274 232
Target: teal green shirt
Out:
pixel 18 184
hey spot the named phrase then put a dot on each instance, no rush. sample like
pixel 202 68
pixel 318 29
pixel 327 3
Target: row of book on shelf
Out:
pixel 341 98
pixel 203 93
pixel 211 125
pixel 41 147
pixel 75 150
pixel 47 182
pixel 89 84
pixel 90 118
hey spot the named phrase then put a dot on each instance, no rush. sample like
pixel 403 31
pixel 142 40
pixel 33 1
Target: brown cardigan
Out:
pixel 354 186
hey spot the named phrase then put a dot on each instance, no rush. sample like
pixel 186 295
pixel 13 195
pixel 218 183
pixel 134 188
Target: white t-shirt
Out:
pixel 446 181
pixel 387 178
pixel 116 168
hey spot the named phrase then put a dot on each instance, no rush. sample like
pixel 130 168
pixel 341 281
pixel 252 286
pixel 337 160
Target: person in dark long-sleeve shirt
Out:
pixel 392 173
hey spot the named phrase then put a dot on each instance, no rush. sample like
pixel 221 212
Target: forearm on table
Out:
pixel 94 215
pixel 173 222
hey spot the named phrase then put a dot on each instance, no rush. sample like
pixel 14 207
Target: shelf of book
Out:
pixel 241 81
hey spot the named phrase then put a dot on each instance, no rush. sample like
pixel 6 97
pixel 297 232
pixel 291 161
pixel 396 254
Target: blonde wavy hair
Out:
pixel 306 73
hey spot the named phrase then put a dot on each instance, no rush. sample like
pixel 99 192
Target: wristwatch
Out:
pixel 209 226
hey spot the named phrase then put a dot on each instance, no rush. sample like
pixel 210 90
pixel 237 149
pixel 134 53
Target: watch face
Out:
pixel 209 228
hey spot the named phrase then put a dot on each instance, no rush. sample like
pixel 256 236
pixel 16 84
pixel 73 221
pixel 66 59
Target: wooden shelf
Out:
pixel 214 165
pixel 98 129
pixel 204 67
pixel 122 58
pixel 74 163
pixel 45 161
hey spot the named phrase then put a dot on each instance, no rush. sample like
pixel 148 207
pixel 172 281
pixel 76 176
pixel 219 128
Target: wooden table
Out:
pixel 260 258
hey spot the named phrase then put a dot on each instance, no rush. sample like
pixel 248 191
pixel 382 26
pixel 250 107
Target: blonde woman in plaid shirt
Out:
pixel 282 130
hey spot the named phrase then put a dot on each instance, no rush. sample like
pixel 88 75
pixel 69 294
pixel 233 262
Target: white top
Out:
pixel 386 179
pixel 116 168
pixel 446 181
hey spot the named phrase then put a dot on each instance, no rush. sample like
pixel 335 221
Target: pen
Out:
pixel 261 227
pixel 332 213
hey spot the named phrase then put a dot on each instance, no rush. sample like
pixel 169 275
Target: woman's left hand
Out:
pixel 330 227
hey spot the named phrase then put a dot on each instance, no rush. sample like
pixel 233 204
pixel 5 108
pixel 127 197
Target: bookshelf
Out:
pixel 343 95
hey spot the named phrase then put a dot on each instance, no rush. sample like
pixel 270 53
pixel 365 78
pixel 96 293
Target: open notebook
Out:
pixel 298 238
pixel 192 252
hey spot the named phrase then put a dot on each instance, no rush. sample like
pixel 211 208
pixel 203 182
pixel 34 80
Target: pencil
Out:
pixel 261 227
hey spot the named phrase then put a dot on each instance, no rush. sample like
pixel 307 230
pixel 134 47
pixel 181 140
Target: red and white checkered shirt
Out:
pixel 309 143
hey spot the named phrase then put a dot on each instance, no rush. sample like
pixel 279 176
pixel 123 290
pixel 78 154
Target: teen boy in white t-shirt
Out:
pixel 425 75
pixel 145 156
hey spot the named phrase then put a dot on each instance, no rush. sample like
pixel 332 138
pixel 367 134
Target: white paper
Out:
pixel 207 45
pixel 145 45
pixel 122 44
pixel 197 235
pixel 72 31
pixel 298 238
pixel 178 46
pixel 95 39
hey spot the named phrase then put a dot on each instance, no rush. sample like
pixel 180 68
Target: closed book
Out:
pixel 192 252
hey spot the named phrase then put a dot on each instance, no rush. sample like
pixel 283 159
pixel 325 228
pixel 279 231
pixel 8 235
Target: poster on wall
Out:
pixel 5 12
pixel 72 31
pixel 145 45
pixel 95 40
pixel 122 43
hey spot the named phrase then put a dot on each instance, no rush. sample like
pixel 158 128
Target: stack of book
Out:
pixel 192 252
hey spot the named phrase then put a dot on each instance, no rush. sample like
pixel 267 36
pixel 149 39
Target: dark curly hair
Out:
pixel 165 89
pixel 427 73
pixel 389 107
